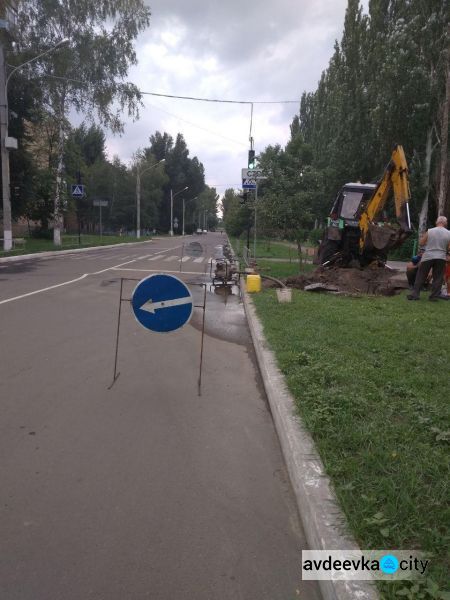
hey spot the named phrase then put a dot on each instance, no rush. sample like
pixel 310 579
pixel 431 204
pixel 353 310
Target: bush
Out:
pixel 42 234
pixel 406 250
pixel 316 236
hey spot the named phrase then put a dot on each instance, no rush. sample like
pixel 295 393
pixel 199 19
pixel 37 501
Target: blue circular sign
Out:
pixel 162 303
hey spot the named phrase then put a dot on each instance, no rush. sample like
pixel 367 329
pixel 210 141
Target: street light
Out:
pixel 138 195
pixel 192 199
pixel 6 143
pixel 172 196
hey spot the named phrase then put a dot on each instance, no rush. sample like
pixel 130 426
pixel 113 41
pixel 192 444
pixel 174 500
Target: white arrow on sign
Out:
pixel 150 306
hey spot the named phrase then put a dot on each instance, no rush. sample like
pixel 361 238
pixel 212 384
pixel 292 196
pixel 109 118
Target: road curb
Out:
pixel 322 519
pixel 50 253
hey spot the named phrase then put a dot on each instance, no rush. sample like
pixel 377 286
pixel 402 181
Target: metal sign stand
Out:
pixel 116 355
pixel 201 345
pixel 181 257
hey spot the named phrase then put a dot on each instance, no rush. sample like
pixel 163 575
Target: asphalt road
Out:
pixel 144 490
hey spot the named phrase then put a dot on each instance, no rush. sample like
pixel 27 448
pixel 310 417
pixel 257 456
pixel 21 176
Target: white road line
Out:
pixel 52 287
pixel 154 257
pixel 158 271
pixel 185 258
pixel 171 258
pixel 199 260
pixel 57 285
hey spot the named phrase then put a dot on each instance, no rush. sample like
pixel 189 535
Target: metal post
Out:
pixel 138 203
pixel 254 225
pixel 7 222
pixel 171 212
pixel 183 218
pixel 100 219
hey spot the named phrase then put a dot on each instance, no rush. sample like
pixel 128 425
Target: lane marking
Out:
pixel 159 271
pixel 171 258
pixel 57 285
pixel 199 260
pixel 185 258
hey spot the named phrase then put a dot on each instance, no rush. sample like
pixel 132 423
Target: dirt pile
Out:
pixel 374 281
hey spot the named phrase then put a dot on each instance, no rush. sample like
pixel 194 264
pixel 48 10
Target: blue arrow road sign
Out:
pixel 77 190
pixel 162 303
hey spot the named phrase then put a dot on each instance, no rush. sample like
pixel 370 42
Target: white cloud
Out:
pixel 227 50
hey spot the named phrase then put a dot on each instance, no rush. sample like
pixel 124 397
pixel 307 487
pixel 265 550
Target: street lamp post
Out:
pixel 183 211
pixel 138 195
pixel 172 196
pixel 5 143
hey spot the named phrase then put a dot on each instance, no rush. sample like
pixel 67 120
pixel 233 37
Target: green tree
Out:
pixel 88 73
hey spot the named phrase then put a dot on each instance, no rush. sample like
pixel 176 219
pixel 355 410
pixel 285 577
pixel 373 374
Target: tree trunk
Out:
pixel 423 216
pixel 58 209
pixel 443 178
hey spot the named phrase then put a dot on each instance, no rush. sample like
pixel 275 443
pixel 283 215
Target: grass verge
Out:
pixel 69 242
pixel 266 248
pixel 370 380
pixel 280 270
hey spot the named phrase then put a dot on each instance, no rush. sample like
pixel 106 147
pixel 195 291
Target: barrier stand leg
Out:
pixel 201 346
pixel 182 255
pixel 116 374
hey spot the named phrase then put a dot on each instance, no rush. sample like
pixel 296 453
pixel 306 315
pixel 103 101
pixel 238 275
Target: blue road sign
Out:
pixel 162 303
pixel 248 186
pixel 77 190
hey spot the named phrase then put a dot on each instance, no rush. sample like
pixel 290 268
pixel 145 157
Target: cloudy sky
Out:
pixel 227 49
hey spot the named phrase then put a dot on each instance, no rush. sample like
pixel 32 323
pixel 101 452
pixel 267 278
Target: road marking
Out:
pixel 154 258
pixel 52 287
pixel 158 271
pixel 199 260
pixel 57 285
pixel 185 258
pixel 171 258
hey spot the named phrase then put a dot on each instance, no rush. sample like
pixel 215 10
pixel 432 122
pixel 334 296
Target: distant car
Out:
pixel 205 231
pixel 199 231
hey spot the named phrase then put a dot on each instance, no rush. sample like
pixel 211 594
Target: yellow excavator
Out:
pixel 356 228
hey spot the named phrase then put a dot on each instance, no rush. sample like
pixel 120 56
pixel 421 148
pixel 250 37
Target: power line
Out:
pixel 195 125
pixel 221 100
pixel 194 98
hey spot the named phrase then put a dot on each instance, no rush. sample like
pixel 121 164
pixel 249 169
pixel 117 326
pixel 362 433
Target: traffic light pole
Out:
pixel 254 224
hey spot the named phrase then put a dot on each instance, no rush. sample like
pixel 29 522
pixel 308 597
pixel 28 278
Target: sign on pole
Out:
pixel 162 303
pixel 249 184
pixel 254 174
pixel 100 202
pixel 77 190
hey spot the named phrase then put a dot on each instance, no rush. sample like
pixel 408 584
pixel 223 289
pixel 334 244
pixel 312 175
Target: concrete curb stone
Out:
pixel 322 519
pixel 50 253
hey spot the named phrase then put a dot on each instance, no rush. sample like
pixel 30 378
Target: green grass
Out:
pixel 33 245
pixel 266 248
pixel 280 270
pixel 371 381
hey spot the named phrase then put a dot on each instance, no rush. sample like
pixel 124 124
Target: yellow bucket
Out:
pixel 253 283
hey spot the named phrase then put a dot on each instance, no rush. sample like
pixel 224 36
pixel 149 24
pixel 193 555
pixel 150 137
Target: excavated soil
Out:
pixel 379 281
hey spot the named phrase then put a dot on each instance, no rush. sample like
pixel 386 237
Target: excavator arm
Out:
pixel 395 178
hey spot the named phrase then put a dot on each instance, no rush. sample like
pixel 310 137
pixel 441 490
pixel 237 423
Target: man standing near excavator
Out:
pixel 437 244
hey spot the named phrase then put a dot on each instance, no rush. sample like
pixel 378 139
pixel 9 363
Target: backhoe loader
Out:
pixel 357 230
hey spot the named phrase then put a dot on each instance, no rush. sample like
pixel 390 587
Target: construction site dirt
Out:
pixel 378 281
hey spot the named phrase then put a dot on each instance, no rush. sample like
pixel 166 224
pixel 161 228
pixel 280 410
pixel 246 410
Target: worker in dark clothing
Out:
pixel 437 244
pixel 412 268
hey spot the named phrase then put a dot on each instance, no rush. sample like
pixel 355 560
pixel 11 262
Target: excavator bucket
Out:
pixel 384 238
